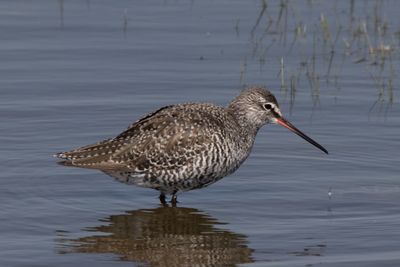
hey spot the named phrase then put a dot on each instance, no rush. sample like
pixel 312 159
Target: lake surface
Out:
pixel 75 72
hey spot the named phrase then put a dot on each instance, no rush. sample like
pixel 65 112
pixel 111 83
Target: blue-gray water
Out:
pixel 75 72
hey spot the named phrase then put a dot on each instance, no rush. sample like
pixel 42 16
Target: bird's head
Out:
pixel 256 106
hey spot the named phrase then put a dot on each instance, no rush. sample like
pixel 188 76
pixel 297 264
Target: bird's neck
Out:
pixel 243 119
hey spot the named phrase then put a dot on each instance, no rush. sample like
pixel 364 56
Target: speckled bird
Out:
pixel 186 146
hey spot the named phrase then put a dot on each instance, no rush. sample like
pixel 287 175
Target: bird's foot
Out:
pixel 174 200
pixel 162 200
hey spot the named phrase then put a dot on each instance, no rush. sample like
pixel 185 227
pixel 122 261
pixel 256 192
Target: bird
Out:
pixel 187 146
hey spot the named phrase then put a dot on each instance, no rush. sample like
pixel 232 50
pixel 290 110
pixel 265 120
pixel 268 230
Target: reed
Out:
pixel 365 40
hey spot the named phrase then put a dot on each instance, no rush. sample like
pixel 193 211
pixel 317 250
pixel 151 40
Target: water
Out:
pixel 74 72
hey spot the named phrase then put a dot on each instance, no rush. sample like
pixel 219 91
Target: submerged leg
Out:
pixel 162 199
pixel 174 198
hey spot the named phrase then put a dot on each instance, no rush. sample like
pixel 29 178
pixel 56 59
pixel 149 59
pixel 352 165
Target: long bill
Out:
pixel 281 121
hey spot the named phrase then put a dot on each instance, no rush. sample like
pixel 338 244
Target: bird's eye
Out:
pixel 268 106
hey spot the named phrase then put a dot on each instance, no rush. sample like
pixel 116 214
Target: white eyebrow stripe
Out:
pixel 275 108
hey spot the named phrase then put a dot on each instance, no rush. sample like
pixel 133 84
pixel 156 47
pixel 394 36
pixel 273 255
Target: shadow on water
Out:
pixel 164 236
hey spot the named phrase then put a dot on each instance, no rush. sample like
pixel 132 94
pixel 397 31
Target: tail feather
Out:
pixel 65 163
pixel 92 156
pixel 99 150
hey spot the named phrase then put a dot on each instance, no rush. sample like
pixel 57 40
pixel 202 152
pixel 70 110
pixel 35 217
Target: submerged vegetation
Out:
pixel 318 50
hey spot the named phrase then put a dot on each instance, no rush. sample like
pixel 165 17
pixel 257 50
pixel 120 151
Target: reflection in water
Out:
pixel 165 236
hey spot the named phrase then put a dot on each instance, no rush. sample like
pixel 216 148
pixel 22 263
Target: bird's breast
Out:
pixel 224 155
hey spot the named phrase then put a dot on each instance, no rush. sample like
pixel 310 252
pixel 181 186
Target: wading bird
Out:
pixel 186 146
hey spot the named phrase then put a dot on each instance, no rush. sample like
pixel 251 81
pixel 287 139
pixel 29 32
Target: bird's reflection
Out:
pixel 165 236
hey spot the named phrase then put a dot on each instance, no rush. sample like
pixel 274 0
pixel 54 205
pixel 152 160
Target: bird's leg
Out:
pixel 162 199
pixel 174 199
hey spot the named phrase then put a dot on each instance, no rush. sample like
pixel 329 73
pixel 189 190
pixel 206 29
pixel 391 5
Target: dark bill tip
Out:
pixel 281 121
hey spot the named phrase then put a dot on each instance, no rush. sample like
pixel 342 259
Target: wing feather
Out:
pixel 170 137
